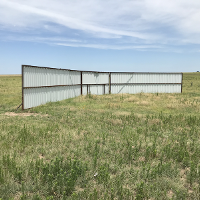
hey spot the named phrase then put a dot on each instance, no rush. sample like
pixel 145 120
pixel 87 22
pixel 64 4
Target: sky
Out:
pixel 99 35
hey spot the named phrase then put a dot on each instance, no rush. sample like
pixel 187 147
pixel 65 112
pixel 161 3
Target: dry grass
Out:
pixel 12 114
pixel 10 75
pixel 140 145
pixel 124 113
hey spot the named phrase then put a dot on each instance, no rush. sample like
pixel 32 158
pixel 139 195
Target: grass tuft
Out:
pixel 123 146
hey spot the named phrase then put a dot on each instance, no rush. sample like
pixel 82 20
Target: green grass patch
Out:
pixel 124 146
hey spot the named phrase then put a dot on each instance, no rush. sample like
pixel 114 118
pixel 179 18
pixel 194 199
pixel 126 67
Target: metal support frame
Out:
pixel 182 84
pixel 81 83
pixel 110 83
pixel 88 85
pixel 87 88
pixel 22 87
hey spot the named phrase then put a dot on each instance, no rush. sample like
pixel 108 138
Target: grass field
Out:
pixel 143 146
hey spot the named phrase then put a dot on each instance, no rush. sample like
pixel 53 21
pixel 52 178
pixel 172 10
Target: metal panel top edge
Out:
pixel 62 69
pixel 148 72
pixel 105 72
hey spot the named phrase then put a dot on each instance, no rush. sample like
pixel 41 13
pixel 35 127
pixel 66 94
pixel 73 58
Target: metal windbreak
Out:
pixel 133 83
pixel 95 89
pixel 95 78
pixel 146 78
pixel 38 76
pixel 37 96
pixel 145 88
pixel 42 84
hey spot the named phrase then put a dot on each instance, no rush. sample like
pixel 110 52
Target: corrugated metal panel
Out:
pixel 37 96
pixel 107 89
pixel 38 76
pixel 95 78
pixel 35 77
pixel 146 88
pixel 95 89
pixel 84 89
pixel 146 78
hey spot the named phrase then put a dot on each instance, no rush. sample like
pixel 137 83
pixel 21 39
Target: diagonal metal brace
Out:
pixel 19 106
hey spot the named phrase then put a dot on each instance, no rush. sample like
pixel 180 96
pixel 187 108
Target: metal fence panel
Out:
pixel 37 82
pixel 36 77
pixel 146 77
pixel 107 89
pixel 95 78
pixel 84 89
pixel 37 96
pixel 95 89
pixel 146 88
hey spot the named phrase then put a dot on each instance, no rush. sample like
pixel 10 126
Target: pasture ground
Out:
pixel 124 146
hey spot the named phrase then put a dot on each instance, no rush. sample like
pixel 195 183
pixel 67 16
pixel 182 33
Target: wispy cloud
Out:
pixel 111 24
pixel 116 47
pixel 41 39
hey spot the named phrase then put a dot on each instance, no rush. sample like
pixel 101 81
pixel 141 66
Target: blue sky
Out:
pixel 111 35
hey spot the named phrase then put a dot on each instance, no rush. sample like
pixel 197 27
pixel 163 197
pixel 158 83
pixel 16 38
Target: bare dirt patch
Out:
pixel 170 194
pixel 41 156
pixel 142 159
pixel 12 114
pixel 183 175
pixel 143 103
pixel 10 75
pixel 190 191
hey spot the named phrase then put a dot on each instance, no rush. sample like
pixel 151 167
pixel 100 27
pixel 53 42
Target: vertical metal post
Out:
pixel 104 88
pixel 81 83
pixel 110 83
pixel 182 84
pixel 87 88
pixel 22 87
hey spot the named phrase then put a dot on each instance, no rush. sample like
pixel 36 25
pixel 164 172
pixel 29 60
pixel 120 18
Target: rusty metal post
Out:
pixel 81 83
pixel 110 83
pixel 182 84
pixel 22 87
pixel 87 88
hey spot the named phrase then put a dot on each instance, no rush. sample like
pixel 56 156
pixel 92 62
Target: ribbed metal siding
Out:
pixel 107 89
pixel 35 77
pixel 95 89
pixel 84 89
pixel 95 78
pixel 146 78
pixel 38 76
pixel 37 96
pixel 146 88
